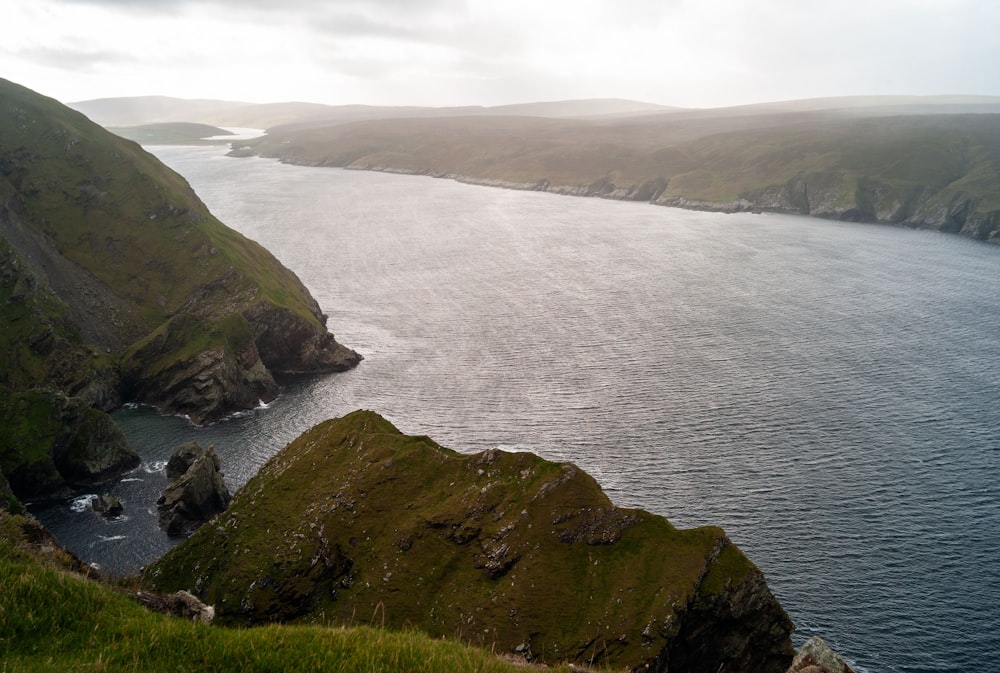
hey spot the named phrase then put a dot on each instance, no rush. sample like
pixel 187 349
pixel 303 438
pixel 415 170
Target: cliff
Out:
pixel 937 171
pixel 117 284
pixel 356 522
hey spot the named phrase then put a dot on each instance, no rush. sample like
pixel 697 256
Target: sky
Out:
pixel 691 53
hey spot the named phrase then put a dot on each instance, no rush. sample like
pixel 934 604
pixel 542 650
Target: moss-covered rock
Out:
pixel 51 443
pixel 355 521
pixel 197 492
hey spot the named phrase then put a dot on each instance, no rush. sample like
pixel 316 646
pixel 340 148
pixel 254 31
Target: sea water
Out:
pixel 827 392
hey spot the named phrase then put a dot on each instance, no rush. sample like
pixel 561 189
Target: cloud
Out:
pixel 81 59
pixel 453 52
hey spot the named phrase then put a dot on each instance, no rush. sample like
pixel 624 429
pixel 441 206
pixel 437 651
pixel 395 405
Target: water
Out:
pixel 826 392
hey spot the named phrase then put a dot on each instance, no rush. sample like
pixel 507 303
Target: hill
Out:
pixel 171 133
pixel 356 521
pixel 55 619
pixel 937 171
pixel 117 284
pixel 125 112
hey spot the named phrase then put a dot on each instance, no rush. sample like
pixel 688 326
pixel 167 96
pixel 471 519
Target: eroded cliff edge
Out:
pixel 356 522
pixel 117 284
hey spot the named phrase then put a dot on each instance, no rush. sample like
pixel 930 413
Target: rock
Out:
pixel 51 444
pixel 107 506
pixel 182 458
pixel 179 604
pixel 815 656
pixel 288 343
pixel 195 496
pixel 356 521
pixel 9 501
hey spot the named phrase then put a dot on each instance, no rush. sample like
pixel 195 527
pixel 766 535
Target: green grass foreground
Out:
pixel 55 620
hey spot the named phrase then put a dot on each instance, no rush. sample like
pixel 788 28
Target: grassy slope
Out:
pixel 134 224
pixel 355 520
pixel 714 158
pixel 55 620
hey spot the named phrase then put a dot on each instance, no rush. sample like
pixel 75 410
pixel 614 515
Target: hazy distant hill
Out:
pixel 130 111
pixel 158 109
pixel 938 171
pixel 171 133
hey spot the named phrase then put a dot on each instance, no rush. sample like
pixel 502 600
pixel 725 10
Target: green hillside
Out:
pixel 938 171
pixel 53 620
pixel 356 521
pixel 118 285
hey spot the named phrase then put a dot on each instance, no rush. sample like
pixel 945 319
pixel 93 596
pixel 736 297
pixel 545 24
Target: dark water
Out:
pixel 829 393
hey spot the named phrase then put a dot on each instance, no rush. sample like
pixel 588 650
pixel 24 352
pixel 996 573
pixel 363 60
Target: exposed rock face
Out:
pixel 815 656
pixel 179 604
pixel 196 495
pixel 355 521
pixel 286 344
pixel 51 443
pixel 107 506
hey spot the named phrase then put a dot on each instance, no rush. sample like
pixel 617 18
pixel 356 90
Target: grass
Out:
pixel 356 522
pixel 53 620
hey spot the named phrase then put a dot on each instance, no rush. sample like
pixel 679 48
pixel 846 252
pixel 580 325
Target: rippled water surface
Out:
pixel 829 393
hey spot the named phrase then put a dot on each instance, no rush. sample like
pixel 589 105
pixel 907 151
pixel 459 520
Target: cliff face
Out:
pixel 354 522
pixel 119 285
pixel 51 444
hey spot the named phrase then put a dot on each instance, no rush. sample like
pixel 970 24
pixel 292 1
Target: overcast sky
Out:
pixel 695 53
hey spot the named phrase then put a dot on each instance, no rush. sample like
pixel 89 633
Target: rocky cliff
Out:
pixel 356 522
pixel 51 444
pixel 118 285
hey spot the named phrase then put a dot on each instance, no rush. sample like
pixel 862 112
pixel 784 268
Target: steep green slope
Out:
pixel 118 284
pixel 54 620
pixel 939 171
pixel 356 521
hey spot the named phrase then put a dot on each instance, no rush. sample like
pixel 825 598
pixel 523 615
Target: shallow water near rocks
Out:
pixel 826 392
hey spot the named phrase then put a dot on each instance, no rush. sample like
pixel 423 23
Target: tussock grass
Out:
pixel 52 620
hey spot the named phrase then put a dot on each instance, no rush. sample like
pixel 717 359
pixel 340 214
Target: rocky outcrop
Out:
pixel 9 501
pixel 356 521
pixel 815 656
pixel 107 506
pixel 180 604
pixel 197 493
pixel 286 343
pixel 51 444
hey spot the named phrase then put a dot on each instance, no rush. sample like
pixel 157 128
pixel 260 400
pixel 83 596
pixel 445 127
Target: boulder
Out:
pixel 107 506
pixel 178 604
pixel 815 656
pixel 196 495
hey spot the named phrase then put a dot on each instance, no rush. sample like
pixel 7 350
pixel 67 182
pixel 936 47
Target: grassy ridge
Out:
pixel 55 620
pixel 354 520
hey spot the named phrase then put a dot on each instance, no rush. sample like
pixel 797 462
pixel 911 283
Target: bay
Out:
pixel 826 392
